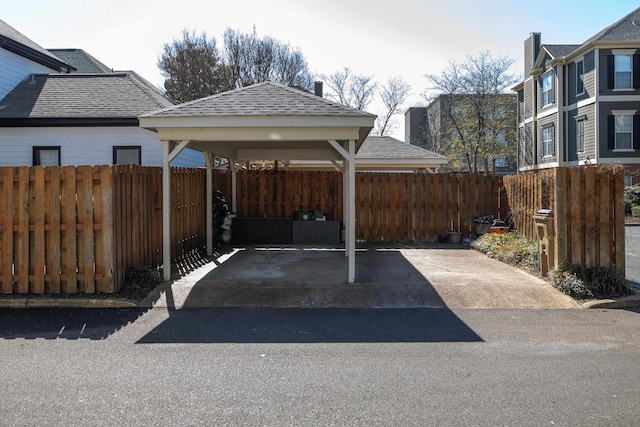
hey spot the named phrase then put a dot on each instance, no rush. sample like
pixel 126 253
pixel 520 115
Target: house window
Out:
pixel 547 89
pixel 623 130
pixel 580 135
pixel 46 156
pixel 500 162
pixel 622 69
pixel 548 141
pixel 127 155
pixel 623 125
pixel 579 77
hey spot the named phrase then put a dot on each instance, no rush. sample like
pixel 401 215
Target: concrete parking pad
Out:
pixel 392 275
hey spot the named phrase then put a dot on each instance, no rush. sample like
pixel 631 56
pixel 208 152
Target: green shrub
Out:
pixel 597 282
pixel 635 211
pixel 570 284
pixel 138 282
pixel 510 248
pixel 631 197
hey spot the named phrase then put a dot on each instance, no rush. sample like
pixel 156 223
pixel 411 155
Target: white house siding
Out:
pixel 86 145
pixel 14 68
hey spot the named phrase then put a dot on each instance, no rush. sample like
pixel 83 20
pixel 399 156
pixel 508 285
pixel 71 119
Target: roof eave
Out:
pixel 34 55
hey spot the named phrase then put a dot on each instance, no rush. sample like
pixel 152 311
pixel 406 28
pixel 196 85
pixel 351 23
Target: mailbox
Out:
pixel 545 230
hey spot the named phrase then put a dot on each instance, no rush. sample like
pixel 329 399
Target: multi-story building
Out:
pixel 432 127
pixel 579 104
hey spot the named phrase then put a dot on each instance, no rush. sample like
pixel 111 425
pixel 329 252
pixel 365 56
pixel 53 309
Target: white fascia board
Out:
pixel 256 121
pixel 224 134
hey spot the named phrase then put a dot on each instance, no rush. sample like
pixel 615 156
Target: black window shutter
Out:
pixel 610 72
pixel 636 132
pixel 539 92
pixel 636 70
pixel 611 132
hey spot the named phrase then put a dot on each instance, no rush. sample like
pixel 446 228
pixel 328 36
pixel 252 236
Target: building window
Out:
pixel 127 155
pixel 501 162
pixel 46 156
pixel 579 77
pixel 622 69
pixel 547 89
pixel 623 125
pixel 580 135
pixel 548 141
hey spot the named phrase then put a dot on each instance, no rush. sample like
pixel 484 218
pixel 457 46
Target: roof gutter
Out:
pixel 69 122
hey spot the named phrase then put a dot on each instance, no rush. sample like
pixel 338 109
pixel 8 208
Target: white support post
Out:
pixel 352 211
pixel 345 204
pixel 166 211
pixel 234 189
pixel 209 197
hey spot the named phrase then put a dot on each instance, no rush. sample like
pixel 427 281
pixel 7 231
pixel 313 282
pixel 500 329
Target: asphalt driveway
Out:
pixel 393 275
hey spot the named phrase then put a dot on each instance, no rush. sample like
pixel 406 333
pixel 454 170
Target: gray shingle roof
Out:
pixel 262 99
pixel 626 29
pixel 7 32
pixel 118 95
pixel 81 61
pixel 560 50
pixel 386 147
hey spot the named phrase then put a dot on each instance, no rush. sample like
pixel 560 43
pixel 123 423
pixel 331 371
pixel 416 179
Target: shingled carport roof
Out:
pixel 265 121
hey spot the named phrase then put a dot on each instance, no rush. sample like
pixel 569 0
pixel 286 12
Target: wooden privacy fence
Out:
pixel 56 230
pixel 588 207
pixel 76 229
pixel 389 206
pixel 421 207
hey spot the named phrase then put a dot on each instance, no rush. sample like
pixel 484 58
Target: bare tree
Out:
pixel 349 88
pixel 254 60
pixel 477 116
pixel 192 67
pixel 393 95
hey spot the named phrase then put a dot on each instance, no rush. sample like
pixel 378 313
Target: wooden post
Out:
pixel 351 229
pixel 209 197
pixel 166 212
pixel 560 211
pixel 619 221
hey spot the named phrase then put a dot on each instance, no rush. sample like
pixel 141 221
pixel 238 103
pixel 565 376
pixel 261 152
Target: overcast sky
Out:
pixel 408 38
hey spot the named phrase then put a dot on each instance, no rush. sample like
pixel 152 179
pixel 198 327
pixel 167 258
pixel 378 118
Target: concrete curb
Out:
pixel 631 301
pixel 66 303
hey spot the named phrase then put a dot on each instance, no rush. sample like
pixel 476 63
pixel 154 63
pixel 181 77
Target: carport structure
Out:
pixel 265 121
